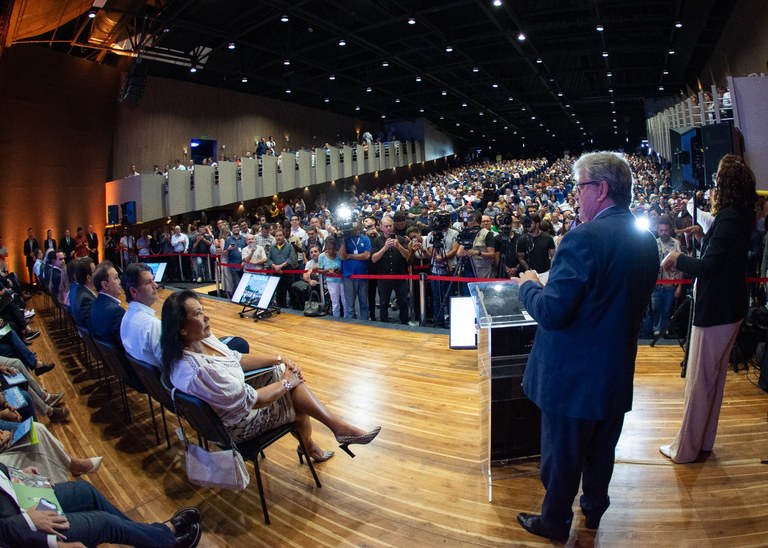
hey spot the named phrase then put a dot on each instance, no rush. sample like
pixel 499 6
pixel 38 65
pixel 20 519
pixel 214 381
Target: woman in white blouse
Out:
pixel 199 364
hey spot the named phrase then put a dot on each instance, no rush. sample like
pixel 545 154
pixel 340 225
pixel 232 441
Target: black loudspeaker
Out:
pixel 113 215
pixel 717 140
pixel 133 86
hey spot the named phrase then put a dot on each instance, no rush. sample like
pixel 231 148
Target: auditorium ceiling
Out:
pixel 524 76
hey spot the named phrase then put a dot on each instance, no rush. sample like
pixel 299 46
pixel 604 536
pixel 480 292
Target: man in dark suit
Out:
pixel 85 293
pixel 67 245
pixel 581 367
pixel 92 242
pixel 89 518
pixel 106 312
pixel 49 242
pixel 30 245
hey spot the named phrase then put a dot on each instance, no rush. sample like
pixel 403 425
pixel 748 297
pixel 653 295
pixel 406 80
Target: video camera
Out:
pixel 467 236
pixel 504 222
pixel 345 222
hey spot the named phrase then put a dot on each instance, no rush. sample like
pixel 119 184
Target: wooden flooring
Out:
pixel 419 483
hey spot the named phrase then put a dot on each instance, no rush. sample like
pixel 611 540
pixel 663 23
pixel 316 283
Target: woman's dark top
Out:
pixel 721 292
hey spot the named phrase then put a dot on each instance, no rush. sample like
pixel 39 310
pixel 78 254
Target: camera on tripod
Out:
pixel 467 236
pixel 527 222
pixel 504 222
pixel 346 224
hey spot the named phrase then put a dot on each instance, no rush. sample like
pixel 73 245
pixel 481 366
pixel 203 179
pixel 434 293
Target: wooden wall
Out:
pixel 57 119
pixel 173 112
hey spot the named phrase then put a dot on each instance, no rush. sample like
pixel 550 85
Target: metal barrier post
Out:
pixel 217 278
pixel 322 290
pixel 423 299
pixel 181 270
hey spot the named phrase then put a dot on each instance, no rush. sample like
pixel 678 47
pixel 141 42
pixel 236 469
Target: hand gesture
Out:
pixel 48 521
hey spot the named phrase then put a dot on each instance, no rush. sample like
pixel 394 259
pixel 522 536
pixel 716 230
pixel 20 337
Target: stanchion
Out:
pixel 422 299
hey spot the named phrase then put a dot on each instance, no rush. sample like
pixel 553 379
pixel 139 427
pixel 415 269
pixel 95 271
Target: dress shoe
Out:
pixel 326 455
pixel 58 414
pixel 190 539
pixel 53 398
pixel 346 441
pixel 31 336
pixel 43 369
pixel 666 450
pixel 590 522
pixel 534 524
pixel 29 314
pixel 185 519
pixel 95 465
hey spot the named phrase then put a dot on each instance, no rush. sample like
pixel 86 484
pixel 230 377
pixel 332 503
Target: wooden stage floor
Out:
pixel 419 483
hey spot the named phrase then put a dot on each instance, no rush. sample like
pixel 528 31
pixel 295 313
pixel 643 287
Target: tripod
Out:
pixel 463 265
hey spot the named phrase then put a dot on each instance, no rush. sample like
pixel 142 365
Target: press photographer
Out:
pixel 535 248
pixel 477 245
pixel 505 244
pixel 441 246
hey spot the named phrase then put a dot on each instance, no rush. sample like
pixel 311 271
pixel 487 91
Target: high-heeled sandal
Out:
pixel 346 441
pixel 326 455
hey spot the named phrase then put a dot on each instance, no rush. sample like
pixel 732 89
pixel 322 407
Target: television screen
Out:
pixel 158 270
pixel 255 290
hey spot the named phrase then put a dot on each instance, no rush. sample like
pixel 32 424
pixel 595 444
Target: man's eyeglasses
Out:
pixel 580 186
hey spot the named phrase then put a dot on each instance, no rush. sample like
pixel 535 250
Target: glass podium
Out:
pixel 510 424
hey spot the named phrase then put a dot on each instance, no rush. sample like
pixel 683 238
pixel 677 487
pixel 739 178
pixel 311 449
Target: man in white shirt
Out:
pixel 140 328
pixel 180 243
pixel 296 230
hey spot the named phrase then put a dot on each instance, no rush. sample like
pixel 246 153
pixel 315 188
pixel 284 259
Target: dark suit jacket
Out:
pixel 81 307
pixel 93 243
pixel 55 278
pixel 721 292
pixel 589 313
pixel 45 245
pixel 106 316
pixel 14 530
pixel 67 248
pixel 29 247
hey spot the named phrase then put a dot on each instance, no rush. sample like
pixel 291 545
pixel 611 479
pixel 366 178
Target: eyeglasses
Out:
pixel 580 186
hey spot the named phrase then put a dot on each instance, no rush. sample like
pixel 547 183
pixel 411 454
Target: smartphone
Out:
pixel 45 504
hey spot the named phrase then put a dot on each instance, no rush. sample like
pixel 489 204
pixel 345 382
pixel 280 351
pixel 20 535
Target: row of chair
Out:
pixel 146 379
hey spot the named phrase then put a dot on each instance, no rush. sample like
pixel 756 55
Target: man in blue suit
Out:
pixel 106 312
pixel 582 363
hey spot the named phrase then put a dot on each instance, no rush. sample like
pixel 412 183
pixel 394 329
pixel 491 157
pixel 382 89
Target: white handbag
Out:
pixel 225 469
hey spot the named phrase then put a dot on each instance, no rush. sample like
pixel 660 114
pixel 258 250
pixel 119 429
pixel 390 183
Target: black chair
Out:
pixel 208 425
pixel 89 351
pixel 117 362
pixel 149 377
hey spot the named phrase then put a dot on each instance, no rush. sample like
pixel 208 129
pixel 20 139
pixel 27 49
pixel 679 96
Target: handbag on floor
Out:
pixel 225 469
pixel 313 307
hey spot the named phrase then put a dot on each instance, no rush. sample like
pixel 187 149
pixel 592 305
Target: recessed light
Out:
pixel 671 51
pixel 457 124
pixel 494 85
pixel 383 115
pixel 231 45
pixel 342 42
pixel 482 113
pixel 599 27
pixel 475 69
pixel 193 69
pixel 332 77
pixel 91 14
pixel 605 54
pixel 443 92
pixel 288 90
pixel 497 3
pixel 411 21
pixel 418 78
pixel 397 99
pixel 464 104
pixel 559 93
pixel 510 98
pixel 244 80
pixel 665 72
pixel 609 74
pixel 385 63
pixel 679 25
pixel 284 19
pixel 421 110
pixel 357 107
pixel 448 48
pixel 610 90
pixel 539 60
pixel 661 88
pixel 287 62
pixel 326 100
pixel 521 37
pixel 369 89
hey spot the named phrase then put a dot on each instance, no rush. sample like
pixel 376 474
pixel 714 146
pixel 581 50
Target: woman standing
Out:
pixel 330 263
pixel 721 301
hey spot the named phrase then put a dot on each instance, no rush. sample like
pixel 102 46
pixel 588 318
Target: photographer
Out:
pixel 477 244
pixel 371 229
pixel 505 244
pixel 354 251
pixel 536 248
pixel 441 246
pixel 391 254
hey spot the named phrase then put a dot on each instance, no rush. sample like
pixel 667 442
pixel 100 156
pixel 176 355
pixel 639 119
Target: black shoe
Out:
pixel 534 524
pixel 190 539
pixel 591 522
pixel 43 369
pixel 184 519
pixel 31 336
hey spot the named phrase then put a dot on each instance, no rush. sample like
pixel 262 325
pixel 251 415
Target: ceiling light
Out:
pixel 471 130
pixel 494 85
pixel 444 92
pixel 193 68
pixel 448 48
pixel 559 93
pixel 665 72
pixel 385 63
pixel 91 14
pixel 231 45
pixel 457 124
pixel 679 25
pixel 609 74
pixel 383 116
pixel 369 89
pixel 287 62
pixel 533 117
pixel 599 27
pixel 482 113
pixel 442 117
pixel 357 108
pixel 332 77
pixel 418 78
pixel 284 19
pixel 326 100
pixel 475 69
pixel 464 104
pixel 521 37
pixel 539 60
pixel 244 80
pixel 506 127
pixel 421 110
pixel 342 42
pixel 397 99
pixel 605 54
pixel 411 21
pixel 497 3
pixel 610 90
pixel 288 90
pixel 567 106
pixel 671 51
pixel 661 88
pixel 510 98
